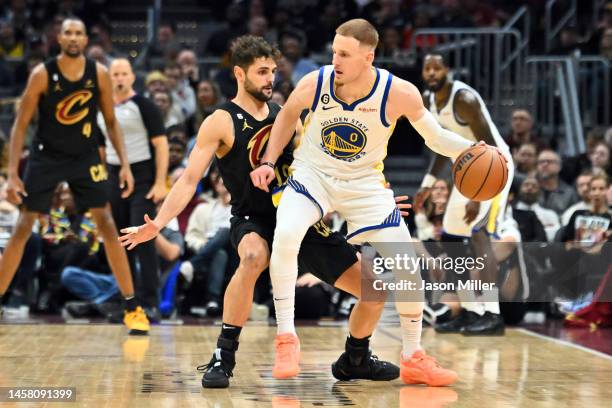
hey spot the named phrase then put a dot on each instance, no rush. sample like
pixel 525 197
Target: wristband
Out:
pixel 428 181
pixel 267 163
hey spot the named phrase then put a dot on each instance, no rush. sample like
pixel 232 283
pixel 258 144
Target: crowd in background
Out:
pixel 64 260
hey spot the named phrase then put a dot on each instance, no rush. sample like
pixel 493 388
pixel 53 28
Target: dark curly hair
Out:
pixel 247 48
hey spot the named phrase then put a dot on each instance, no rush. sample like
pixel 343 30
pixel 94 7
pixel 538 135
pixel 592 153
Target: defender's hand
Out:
pixel 126 181
pixel 262 177
pixel 136 235
pixel 15 190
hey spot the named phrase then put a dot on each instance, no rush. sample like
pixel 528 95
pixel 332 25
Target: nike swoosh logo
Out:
pixel 329 107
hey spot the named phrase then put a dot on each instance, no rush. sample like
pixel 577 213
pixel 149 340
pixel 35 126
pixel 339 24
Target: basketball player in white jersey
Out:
pixel 338 166
pixel 460 109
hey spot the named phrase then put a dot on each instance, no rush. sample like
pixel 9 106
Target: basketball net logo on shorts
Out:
pixel 344 141
pixel 75 101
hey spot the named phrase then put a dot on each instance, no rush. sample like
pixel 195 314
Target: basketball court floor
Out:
pixel 110 369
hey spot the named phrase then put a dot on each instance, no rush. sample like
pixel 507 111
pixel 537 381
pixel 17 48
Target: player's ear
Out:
pixel 370 57
pixel 239 73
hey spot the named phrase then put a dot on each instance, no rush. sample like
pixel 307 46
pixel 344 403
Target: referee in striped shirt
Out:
pixel 147 150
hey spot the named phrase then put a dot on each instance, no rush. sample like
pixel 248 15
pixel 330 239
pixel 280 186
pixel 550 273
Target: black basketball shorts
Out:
pixel 323 253
pixel 86 175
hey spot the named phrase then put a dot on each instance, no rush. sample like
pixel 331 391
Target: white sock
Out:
pixel 411 334
pixel 186 270
pixel 469 301
pixel 490 301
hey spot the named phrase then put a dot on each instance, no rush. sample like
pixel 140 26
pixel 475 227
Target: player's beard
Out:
pixel 256 93
pixel 437 86
pixel 72 54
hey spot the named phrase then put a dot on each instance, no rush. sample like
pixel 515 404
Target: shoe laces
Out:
pixel 428 359
pixel 213 366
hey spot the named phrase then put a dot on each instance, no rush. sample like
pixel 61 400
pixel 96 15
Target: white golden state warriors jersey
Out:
pixel 448 119
pixel 342 140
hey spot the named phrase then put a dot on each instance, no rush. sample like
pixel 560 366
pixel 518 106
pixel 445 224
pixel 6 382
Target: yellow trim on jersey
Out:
pixel 381 165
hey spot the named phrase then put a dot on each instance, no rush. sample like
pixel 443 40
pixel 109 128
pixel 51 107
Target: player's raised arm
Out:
pixel 405 100
pixel 126 179
pixel 37 84
pixel 283 128
pixel 210 137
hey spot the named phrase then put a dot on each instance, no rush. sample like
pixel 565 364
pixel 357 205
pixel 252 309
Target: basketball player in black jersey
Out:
pixel 67 92
pixel 236 134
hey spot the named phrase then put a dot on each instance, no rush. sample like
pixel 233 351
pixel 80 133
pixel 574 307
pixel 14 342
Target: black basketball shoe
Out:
pixel 359 363
pixel 218 371
pixel 489 324
pixel 465 318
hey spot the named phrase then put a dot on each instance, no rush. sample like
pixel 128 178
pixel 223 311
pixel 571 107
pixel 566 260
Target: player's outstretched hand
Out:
pixel 262 176
pixel 482 143
pixel 126 181
pixel 136 235
pixel 15 190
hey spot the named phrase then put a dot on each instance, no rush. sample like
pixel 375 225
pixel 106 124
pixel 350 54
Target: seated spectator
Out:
pixel 522 131
pixel 525 159
pixel 188 61
pixel 555 193
pixel 587 256
pixel 182 93
pixel 177 149
pixel 97 53
pixel 166 44
pixel 428 215
pixel 573 166
pixel 101 33
pixel 293 46
pixel 528 198
pixel 583 190
pixel 233 27
pixel 155 81
pixel 208 99
pixel 278 98
pixel 164 102
pixel 600 159
pixel 10 46
pixel 208 237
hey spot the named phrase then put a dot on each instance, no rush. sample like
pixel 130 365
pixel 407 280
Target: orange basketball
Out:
pixel 480 173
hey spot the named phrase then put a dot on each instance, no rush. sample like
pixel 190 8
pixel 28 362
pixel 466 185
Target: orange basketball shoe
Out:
pixel 287 360
pixel 424 369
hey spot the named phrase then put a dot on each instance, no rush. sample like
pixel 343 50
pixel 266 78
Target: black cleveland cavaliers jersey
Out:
pixel 251 139
pixel 67 112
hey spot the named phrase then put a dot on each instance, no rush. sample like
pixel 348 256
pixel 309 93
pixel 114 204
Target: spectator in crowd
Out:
pixel 293 46
pixel 166 44
pixel 278 98
pixel 600 159
pixel 10 46
pixel 573 166
pixel 177 148
pixel 583 190
pixel 208 98
pixel 585 237
pixel 529 195
pixel 428 215
pixel 164 102
pixel 555 193
pixel 522 131
pixel 50 35
pixel 182 93
pixel 188 61
pixel 100 33
pixel 154 82
pixel 208 237
pixel 525 159
pixel 258 26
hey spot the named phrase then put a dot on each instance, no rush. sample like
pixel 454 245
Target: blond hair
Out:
pixel 361 30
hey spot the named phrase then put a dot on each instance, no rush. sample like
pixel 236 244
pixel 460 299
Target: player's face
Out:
pixel 122 76
pixel 72 38
pixel 350 59
pixel 598 192
pixel 434 73
pixel 259 78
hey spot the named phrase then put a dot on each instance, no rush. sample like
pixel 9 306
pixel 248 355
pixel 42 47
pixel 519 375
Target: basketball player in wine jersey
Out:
pixel 353 107
pixel 459 108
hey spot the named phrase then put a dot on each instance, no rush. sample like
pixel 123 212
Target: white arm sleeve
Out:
pixel 438 139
